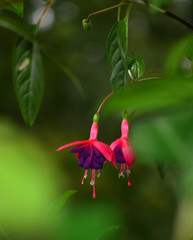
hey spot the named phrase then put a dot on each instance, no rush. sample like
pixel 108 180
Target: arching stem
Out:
pixel 104 102
pixel 106 10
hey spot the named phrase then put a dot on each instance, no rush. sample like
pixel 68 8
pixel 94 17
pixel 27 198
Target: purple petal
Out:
pixel 97 153
pixel 79 149
pixel 96 165
pixel 81 162
pixel 100 160
pixel 118 149
pixel 85 153
pixel 119 154
pixel 88 162
pixel 120 159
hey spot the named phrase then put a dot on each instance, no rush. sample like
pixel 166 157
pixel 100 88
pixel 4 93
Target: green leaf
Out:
pixel 136 66
pixel 183 48
pixel 57 206
pixel 13 7
pixel 117 46
pixel 24 31
pixel 152 94
pixel 28 78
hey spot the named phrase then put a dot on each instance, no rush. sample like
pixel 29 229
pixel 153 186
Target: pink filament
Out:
pixel 129 183
pixel 93 180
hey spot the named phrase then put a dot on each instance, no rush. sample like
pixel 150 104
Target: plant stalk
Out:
pixel 48 5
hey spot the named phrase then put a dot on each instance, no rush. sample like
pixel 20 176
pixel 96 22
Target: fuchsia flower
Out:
pixel 124 151
pixel 91 153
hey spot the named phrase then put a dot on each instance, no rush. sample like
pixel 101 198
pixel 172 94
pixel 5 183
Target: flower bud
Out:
pixel 86 25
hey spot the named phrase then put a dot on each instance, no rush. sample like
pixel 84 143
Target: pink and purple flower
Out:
pixel 91 154
pixel 124 151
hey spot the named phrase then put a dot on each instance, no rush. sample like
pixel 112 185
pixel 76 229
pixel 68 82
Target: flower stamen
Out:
pixel 85 176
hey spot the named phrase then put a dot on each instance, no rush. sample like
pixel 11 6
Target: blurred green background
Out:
pixel 158 205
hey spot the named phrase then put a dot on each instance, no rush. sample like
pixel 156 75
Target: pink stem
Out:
pixel 104 102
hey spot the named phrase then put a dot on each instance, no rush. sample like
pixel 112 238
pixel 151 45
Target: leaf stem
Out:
pixel 4 4
pixel 128 11
pixel 118 13
pixel 48 5
pixel 106 9
pixel 108 96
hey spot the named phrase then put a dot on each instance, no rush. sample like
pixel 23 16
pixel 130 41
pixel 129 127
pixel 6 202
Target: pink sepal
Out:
pixel 115 143
pixel 104 149
pixel 114 162
pixel 77 156
pixel 73 143
pixel 128 152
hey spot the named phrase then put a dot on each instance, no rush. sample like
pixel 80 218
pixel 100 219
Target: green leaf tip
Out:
pixel 87 25
pixel 136 66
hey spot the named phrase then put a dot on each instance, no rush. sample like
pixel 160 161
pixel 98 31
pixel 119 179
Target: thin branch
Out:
pixel 175 17
pixel 4 4
pixel 48 5
pixel 105 10
pixel 167 13
pixel 147 4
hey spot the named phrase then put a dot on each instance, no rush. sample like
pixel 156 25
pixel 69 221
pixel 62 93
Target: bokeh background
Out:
pixel 158 205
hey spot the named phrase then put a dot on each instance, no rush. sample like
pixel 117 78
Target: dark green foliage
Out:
pixel 28 78
pixel 117 46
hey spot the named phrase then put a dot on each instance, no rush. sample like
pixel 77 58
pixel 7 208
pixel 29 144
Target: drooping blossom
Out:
pixel 91 153
pixel 124 151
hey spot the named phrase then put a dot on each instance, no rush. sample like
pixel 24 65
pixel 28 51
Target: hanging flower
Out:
pixel 124 151
pixel 91 153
